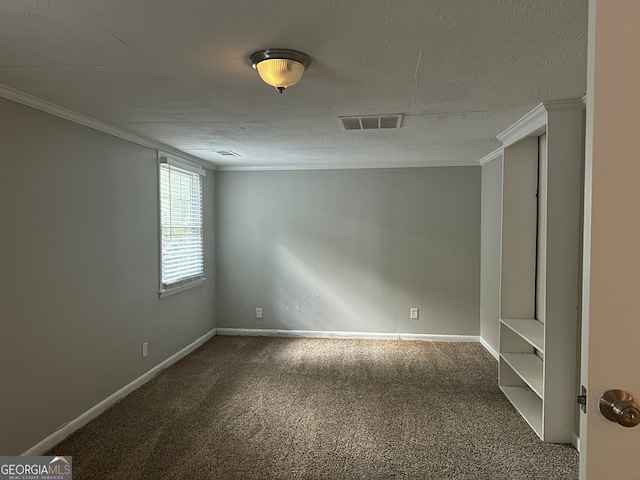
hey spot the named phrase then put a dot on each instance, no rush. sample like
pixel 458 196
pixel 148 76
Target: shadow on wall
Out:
pixel 350 251
pixel 305 299
pixel 316 285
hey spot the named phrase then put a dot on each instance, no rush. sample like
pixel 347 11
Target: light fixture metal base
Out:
pixel 280 53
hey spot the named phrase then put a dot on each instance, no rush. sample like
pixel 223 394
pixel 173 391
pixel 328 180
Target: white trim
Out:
pixel 533 123
pixel 575 441
pixel 566 105
pixel 490 349
pixel 39 104
pixel 173 290
pixel 182 164
pixel 429 337
pixel 268 332
pixel 497 153
pixel 68 428
pixel 343 166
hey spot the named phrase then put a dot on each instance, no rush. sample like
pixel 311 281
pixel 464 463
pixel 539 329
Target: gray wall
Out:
pixel 350 250
pixel 490 252
pixel 79 279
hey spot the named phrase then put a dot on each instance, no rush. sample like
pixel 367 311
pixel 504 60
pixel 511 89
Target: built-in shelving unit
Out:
pixel 540 261
pixel 528 404
pixel 529 329
pixel 529 367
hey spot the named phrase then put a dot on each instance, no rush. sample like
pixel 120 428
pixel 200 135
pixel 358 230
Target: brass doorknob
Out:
pixel 619 406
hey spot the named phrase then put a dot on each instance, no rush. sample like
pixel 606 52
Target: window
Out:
pixel 181 236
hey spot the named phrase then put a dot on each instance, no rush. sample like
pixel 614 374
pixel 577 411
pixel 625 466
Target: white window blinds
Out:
pixel 182 258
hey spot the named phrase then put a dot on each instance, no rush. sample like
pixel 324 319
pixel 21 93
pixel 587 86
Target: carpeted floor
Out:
pixel 281 408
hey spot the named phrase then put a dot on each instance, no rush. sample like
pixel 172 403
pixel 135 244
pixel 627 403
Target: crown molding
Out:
pixel 497 153
pixel 343 166
pixel 58 111
pixel 534 122
pixel 565 105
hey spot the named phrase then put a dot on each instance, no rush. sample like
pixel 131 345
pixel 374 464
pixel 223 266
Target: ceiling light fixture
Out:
pixel 280 67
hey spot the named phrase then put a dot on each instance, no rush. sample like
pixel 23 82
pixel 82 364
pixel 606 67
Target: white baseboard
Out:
pixel 490 349
pixel 575 441
pixel 63 432
pixel 255 332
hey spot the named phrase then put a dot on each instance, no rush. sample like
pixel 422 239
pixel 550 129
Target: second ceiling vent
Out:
pixel 371 122
pixel 228 153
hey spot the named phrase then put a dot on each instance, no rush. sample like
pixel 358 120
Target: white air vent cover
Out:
pixel 228 153
pixel 371 122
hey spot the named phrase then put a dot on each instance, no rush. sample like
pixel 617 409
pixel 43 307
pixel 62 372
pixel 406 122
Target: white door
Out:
pixel 611 291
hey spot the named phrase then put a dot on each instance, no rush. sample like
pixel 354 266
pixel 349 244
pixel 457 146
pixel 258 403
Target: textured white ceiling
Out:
pixel 177 72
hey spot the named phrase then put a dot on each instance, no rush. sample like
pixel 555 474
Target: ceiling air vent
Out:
pixel 228 153
pixel 371 122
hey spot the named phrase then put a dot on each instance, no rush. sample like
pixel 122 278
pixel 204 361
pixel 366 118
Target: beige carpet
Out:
pixel 276 408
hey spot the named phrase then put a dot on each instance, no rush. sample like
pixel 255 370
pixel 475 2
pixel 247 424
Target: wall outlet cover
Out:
pixel 414 313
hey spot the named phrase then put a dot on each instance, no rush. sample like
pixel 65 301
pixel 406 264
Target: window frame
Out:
pixel 187 282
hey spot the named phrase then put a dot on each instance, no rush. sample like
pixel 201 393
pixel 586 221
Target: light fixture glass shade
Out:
pixel 280 72
pixel 280 67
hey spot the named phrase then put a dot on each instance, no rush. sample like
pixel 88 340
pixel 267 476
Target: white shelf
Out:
pixel 530 329
pixel 529 368
pixel 540 263
pixel 527 404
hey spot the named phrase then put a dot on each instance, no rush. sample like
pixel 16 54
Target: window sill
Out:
pixel 172 291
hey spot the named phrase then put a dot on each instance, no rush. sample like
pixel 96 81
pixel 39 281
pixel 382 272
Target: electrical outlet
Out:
pixel 414 313
pixel 259 312
pixel 145 349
